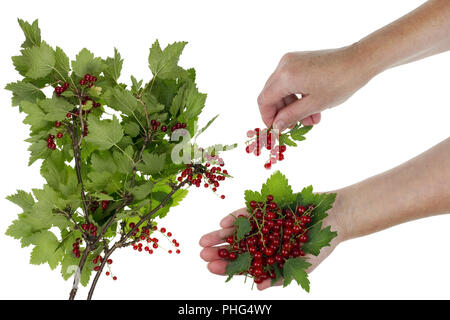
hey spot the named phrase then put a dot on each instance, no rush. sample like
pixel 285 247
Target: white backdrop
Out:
pixel 234 46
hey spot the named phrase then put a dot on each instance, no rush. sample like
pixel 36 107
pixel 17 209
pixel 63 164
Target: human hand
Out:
pixel 214 241
pixel 324 79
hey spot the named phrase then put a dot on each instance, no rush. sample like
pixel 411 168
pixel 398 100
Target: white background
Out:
pixel 234 46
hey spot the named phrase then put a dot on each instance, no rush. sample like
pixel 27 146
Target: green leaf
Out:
pixel 164 63
pixel 152 163
pixel 195 102
pixel 152 104
pixel 241 264
pixel 136 85
pixel 322 202
pixel 207 126
pixel 131 128
pixel 20 229
pixel 62 64
pixel 41 61
pixel 243 227
pixel 278 186
pixel 86 63
pixel 69 265
pixel 123 160
pixel 104 133
pixel 178 196
pixel 24 91
pixel 23 199
pixel 113 66
pixel 295 269
pixel 285 140
pixel 121 100
pixel 36 117
pixel 142 191
pixel 179 101
pixel 175 200
pixel 21 63
pixel 298 138
pixel 38 150
pixel 102 196
pixel 103 161
pixel 56 108
pixel 298 132
pixel 32 33
pixel 44 251
pixel 252 196
pixel 318 238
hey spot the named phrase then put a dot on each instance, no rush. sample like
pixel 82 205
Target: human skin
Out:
pixel 418 188
pixel 327 78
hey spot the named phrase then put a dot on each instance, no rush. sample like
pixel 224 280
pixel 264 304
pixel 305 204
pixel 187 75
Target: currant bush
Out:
pixel 109 153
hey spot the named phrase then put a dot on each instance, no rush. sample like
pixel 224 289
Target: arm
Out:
pixel 327 78
pixel 419 188
pixel 416 189
pixel 419 34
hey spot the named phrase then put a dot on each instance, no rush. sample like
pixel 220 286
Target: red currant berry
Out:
pixel 223 253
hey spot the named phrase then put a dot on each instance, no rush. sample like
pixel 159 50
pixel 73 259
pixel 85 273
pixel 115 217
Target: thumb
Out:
pixel 294 112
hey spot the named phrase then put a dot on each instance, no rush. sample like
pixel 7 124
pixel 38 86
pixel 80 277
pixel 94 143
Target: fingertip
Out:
pixel 280 125
pixel 203 241
pixel 316 117
pixel 210 254
pixel 264 285
pixel 217 267
pixel 307 121
pixel 227 221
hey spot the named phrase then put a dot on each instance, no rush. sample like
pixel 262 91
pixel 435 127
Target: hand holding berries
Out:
pixel 272 239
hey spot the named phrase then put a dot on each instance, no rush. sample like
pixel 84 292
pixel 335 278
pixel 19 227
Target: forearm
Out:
pixel 416 189
pixel 419 34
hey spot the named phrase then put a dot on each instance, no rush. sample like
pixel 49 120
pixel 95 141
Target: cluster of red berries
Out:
pixel 98 260
pixel 88 80
pixel 277 234
pixel 144 241
pixel 178 125
pixel 92 229
pixel 208 175
pixel 268 139
pixel 94 205
pixel 60 89
pixel 85 99
pixel 51 141
pixel 76 247
pixel 157 125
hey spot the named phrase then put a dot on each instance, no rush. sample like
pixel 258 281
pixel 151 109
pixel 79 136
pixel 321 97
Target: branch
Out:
pixel 77 159
pixel 108 253
pixel 152 212
pixel 76 279
pixel 122 242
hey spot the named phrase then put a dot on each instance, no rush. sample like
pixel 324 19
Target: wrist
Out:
pixel 340 216
pixel 364 61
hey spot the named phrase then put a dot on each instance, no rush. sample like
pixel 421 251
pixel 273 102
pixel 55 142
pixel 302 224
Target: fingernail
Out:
pixel 279 125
